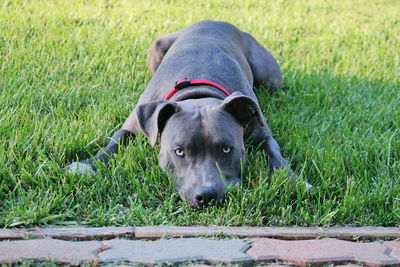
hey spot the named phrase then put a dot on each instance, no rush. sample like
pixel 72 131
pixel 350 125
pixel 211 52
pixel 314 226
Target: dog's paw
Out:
pixel 81 168
pixel 309 188
pixel 292 176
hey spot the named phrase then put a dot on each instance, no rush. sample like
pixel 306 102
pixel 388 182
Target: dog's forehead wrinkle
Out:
pixel 198 113
pixel 186 130
pixel 222 128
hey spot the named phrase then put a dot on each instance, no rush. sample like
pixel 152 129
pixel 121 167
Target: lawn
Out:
pixel 71 72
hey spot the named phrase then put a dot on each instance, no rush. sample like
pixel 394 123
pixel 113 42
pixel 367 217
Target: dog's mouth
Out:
pixel 196 203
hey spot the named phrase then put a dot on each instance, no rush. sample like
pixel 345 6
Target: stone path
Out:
pixel 256 246
pixel 255 251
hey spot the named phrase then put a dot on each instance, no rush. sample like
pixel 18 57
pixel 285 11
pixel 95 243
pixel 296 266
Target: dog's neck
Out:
pixel 196 92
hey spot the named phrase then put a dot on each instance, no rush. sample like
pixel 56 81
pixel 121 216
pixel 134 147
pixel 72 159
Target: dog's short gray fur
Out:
pixel 201 120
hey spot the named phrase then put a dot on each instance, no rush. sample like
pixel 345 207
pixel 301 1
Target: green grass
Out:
pixel 71 72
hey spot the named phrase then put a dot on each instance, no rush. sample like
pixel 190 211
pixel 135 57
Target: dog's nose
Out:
pixel 204 195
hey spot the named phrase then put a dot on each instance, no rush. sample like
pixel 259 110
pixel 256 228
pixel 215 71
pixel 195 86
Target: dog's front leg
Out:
pixel 262 135
pixel 88 166
pixel 275 158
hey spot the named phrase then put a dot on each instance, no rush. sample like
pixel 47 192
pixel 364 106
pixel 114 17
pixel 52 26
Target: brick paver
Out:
pixel 49 249
pixel 300 233
pixel 176 250
pixel 286 265
pixel 87 233
pixel 304 252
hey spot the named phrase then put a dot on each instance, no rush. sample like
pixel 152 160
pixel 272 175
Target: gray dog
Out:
pixel 200 102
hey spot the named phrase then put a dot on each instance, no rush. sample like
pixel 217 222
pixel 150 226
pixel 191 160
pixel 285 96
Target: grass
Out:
pixel 71 72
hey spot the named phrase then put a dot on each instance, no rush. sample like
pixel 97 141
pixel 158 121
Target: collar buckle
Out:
pixel 182 83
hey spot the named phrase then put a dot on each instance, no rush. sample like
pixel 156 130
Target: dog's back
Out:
pixel 210 50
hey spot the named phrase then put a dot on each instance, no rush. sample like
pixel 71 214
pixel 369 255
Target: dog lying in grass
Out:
pixel 200 102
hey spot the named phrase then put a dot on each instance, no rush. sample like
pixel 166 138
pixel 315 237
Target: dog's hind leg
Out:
pixel 263 65
pixel 158 50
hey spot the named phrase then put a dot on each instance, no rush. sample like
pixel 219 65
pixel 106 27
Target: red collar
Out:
pixel 185 82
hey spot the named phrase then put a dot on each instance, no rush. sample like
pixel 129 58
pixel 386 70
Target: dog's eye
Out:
pixel 179 152
pixel 226 149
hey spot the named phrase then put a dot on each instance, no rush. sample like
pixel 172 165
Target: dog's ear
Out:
pixel 153 116
pixel 243 108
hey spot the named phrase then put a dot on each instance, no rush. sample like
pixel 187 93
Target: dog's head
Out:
pixel 202 145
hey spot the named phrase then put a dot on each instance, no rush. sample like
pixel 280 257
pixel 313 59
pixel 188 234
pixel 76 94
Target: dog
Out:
pixel 201 104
